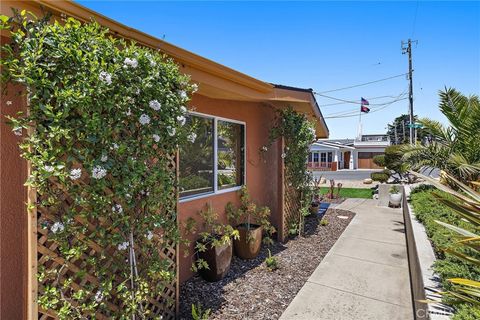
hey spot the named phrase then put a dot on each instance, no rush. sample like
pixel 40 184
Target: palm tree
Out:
pixel 455 148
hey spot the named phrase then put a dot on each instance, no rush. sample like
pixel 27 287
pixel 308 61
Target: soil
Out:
pixel 250 290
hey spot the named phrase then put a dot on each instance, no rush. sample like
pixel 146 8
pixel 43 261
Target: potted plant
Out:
pixel 251 222
pixel 213 249
pixel 315 204
pixel 395 196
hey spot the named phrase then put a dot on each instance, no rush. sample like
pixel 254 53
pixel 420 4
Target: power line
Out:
pixel 400 96
pixel 362 84
pixel 356 112
pixel 368 98
pixel 354 102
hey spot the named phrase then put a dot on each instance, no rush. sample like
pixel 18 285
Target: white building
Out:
pixel 333 155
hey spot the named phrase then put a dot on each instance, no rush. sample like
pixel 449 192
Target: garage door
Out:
pixel 365 160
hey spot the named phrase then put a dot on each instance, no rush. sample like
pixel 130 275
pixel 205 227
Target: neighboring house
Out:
pixel 333 155
pixel 235 113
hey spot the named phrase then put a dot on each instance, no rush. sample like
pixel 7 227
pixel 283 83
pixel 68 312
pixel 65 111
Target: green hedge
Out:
pixel 427 210
pixel 379 176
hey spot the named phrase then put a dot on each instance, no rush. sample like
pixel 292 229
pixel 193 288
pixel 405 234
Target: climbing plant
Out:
pixel 104 118
pixel 298 134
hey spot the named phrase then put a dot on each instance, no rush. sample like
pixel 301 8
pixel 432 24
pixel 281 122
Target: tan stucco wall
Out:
pixel 262 174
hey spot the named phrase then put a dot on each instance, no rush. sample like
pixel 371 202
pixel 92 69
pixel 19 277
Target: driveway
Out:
pixel 344 174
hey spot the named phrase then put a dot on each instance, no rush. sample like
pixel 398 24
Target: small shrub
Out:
pixel 293 229
pixel 379 160
pixel 271 261
pixel 379 176
pixel 394 189
pixel 198 313
pixel 324 222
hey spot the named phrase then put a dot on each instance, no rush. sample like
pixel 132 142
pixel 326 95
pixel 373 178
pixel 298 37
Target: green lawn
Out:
pixel 350 192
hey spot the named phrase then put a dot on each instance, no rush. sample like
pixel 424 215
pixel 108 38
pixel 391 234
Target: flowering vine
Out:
pixel 105 116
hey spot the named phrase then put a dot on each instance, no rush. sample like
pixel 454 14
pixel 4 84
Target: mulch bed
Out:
pixel 250 290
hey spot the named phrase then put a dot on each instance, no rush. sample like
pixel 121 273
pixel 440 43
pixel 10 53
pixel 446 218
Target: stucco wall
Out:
pixel 262 174
pixel 13 222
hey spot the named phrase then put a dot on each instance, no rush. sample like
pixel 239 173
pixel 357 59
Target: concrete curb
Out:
pixel 425 260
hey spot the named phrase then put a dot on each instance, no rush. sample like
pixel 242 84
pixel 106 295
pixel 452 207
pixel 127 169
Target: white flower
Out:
pixel 183 109
pixel 117 208
pixel 156 137
pixel 99 172
pixel 284 155
pixel 144 119
pixel 155 105
pixel 114 146
pixel 104 158
pixel 49 168
pixel 171 131
pixel 9 103
pixel 75 174
pixel 128 195
pixel 264 148
pixel 149 235
pixel 130 63
pixel 106 77
pixel 194 88
pixel 99 296
pixel 137 92
pixel 191 137
pixel 123 245
pixel 152 63
pixel 128 112
pixel 57 227
pixel 182 120
pixel 18 131
pixel 183 94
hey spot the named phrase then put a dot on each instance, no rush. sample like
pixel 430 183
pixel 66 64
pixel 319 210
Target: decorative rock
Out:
pixel 367 181
pixel 323 180
pixel 342 217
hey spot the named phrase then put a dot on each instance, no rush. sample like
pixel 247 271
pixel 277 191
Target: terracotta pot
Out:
pixel 250 241
pixel 218 259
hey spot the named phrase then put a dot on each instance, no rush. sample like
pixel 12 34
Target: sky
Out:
pixel 327 46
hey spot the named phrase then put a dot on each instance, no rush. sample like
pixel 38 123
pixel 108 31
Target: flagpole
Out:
pixel 359 133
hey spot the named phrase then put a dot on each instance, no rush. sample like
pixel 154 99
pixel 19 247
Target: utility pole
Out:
pixel 407 48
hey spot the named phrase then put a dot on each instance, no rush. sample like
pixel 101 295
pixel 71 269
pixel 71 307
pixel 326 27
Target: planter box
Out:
pixel 421 257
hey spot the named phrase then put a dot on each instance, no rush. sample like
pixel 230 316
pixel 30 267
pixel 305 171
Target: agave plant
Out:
pixel 466 204
pixel 455 148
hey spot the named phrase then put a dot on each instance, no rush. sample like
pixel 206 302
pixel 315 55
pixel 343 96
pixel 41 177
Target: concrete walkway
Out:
pixel 365 274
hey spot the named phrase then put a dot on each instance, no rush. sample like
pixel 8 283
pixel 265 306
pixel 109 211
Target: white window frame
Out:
pixel 215 160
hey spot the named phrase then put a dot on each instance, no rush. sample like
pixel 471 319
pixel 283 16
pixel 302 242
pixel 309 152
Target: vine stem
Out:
pixel 132 266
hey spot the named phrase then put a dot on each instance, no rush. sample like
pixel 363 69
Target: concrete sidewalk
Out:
pixel 365 274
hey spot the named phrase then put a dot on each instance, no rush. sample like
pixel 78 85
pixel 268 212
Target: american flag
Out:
pixel 364 105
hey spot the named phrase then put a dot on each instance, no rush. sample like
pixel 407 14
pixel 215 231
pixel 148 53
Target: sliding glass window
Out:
pixel 215 159
pixel 196 158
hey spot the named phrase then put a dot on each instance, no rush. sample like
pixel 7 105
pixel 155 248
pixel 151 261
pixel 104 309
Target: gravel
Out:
pixel 250 290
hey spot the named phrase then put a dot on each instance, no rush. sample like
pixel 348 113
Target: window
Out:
pixel 315 157
pixel 310 157
pixel 330 156
pixel 230 154
pixel 323 157
pixel 215 160
pixel 196 158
